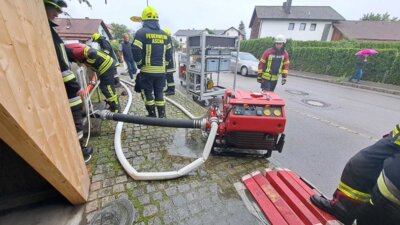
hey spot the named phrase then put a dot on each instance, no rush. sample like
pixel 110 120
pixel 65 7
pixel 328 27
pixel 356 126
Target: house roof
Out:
pixel 326 13
pixel 191 32
pixel 240 32
pixel 80 29
pixel 370 30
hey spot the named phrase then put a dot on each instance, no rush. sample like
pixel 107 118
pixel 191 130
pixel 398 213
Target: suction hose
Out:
pixel 158 175
pixel 152 121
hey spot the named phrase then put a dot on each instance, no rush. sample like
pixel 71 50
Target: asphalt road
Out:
pixel 326 125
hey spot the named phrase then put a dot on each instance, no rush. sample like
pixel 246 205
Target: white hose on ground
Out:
pixel 158 175
pixel 187 113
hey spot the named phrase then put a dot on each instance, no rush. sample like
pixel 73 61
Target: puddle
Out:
pixel 187 143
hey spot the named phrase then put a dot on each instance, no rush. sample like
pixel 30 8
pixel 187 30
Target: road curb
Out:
pixel 361 86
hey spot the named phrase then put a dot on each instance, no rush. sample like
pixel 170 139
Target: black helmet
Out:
pixel 57 4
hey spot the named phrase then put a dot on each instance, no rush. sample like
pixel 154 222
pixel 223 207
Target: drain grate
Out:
pixel 296 92
pixel 118 212
pixel 315 103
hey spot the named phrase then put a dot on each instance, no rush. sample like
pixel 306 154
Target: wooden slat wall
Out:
pixel 35 119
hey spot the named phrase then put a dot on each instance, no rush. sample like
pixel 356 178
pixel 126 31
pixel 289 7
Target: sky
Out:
pixel 213 14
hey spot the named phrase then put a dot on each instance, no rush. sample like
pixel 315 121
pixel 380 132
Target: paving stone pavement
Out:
pixel 205 196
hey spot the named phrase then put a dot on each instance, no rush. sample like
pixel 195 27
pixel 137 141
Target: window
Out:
pixel 291 26
pixel 302 26
pixel 313 26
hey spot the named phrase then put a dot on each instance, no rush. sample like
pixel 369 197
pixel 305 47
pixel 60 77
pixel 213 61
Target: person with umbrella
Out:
pixel 363 56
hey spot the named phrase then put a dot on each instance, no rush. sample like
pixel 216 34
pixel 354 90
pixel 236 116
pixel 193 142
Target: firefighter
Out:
pixel 151 50
pixel 74 91
pixel 100 63
pixel 105 46
pixel 273 62
pixel 369 188
pixel 170 70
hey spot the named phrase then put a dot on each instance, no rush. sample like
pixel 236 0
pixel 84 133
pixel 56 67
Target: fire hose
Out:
pixel 197 123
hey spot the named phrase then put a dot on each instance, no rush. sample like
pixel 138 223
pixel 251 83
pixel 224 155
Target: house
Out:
pixel 296 22
pixel 181 35
pixel 73 30
pixel 367 30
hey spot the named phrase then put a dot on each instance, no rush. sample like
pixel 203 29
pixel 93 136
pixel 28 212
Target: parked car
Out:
pixel 247 63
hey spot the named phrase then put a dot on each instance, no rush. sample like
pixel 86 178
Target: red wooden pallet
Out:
pixel 284 198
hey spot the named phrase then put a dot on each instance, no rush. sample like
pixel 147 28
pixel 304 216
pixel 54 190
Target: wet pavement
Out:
pixel 206 196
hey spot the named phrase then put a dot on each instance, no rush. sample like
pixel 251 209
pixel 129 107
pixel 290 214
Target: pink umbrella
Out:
pixel 367 52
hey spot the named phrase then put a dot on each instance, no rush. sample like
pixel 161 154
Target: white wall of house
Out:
pixel 102 32
pixel 271 28
pixel 231 32
pixel 182 41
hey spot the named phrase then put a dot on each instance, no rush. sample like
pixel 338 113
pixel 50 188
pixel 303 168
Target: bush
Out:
pixel 336 58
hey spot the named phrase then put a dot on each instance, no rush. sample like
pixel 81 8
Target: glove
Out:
pixel 82 92
pixel 259 79
pixel 283 82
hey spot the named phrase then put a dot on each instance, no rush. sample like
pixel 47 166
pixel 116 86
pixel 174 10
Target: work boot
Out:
pixel 87 153
pixel 151 109
pixel 161 111
pixel 170 90
pixel 340 208
pixel 112 106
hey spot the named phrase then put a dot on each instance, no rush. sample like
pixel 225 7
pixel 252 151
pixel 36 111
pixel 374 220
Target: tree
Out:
pixel 209 31
pixel 379 17
pixel 242 29
pixel 119 30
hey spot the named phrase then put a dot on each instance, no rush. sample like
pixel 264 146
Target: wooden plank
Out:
pixel 304 192
pixel 303 195
pixel 35 117
pixel 263 201
pixel 295 203
pixel 280 204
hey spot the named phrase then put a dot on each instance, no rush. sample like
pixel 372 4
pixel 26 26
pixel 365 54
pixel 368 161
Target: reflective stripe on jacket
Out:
pixel 152 50
pixel 273 63
pixel 97 60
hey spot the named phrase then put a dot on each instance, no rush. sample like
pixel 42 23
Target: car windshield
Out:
pixel 247 56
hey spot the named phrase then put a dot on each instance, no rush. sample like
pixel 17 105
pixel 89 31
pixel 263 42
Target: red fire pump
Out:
pixel 249 121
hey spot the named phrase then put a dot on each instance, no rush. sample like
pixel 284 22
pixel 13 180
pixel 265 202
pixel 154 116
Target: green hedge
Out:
pixel 336 58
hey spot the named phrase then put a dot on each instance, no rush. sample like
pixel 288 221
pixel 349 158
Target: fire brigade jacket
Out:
pixel 105 45
pixel 373 165
pixel 70 82
pixel 273 63
pixel 152 49
pixel 171 62
pixel 96 60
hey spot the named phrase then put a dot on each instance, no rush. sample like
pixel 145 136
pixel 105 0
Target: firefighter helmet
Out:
pixel 57 4
pixel 167 31
pixel 280 39
pixel 149 13
pixel 95 36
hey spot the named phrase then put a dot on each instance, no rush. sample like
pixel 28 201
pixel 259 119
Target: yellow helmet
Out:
pixel 149 13
pixel 167 31
pixel 95 36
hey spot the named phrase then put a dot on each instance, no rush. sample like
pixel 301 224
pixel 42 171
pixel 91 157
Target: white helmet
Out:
pixel 280 39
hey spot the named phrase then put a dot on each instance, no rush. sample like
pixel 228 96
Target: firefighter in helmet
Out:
pixel 74 91
pixel 100 63
pixel 105 46
pixel 151 51
pixel 369 188
pixel 170 70
pixel 273 62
